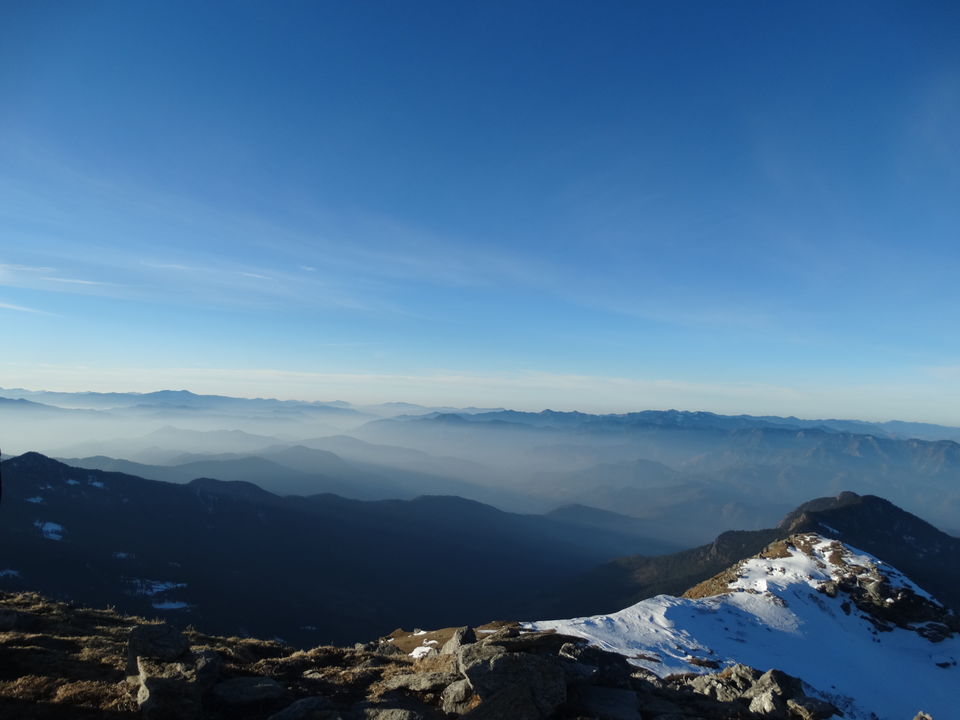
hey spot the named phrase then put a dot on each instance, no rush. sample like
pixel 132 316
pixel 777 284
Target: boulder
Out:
pixel 248 690
pixel 807 708
pixel 716 687
pixel 161 642
pixel 767 703
pixel 742 677
pixel 167 690
pixel 490 670
pixel 515 702
pixel 457 697
pixel 770 692
pixel 461 636
pixel 420 682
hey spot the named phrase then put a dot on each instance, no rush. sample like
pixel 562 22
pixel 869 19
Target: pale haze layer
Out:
pixel 737 207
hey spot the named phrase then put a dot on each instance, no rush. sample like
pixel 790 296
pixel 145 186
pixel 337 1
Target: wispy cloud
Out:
pixel 7 267
pixel 21 308
pixel 167 266
pixel 74 281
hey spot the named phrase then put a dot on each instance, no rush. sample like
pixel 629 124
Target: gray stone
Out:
pixel 374 713
pixel 807 708
pixel 456 698
pixel 167 690
pixel 741 677
pixel 420 682
pixel 610 703
pixel 311 708
pixel 780 682
pixel 716 688
pixel 922 716
pixel 470 655
pixel 515 702
pixel 159 642
pixel 767 702
pixel 538 642
pixel 388 648
pixel 461 636
pixel 489 673
pixel 248 690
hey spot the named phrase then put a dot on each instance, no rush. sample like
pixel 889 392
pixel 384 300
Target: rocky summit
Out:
pixel 67 662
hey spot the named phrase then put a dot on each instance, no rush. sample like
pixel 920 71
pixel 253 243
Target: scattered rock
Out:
pixel 461 636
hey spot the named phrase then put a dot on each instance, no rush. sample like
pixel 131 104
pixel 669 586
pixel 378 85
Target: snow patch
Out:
pixel 154 587
pixel 97 484
pixel 36 500
pixel 123 556
pixel 170 605
pixel 9 573
pixel 71 481
pixel 50 530
pixel 419 652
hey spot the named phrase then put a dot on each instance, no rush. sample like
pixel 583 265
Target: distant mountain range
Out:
pixel 234 558
pixel 695 472
pixel 687 475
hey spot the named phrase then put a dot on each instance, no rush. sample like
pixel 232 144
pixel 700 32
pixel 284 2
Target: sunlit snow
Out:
pixel 774 617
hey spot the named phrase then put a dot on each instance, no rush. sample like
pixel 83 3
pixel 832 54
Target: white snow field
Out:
pixel 774 617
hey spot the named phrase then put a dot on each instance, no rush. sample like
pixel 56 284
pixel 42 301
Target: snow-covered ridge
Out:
pixel 856 629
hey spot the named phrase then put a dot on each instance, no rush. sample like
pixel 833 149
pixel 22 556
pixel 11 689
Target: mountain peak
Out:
pixel 808 605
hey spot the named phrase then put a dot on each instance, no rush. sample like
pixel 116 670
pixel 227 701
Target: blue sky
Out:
pixel 740 207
